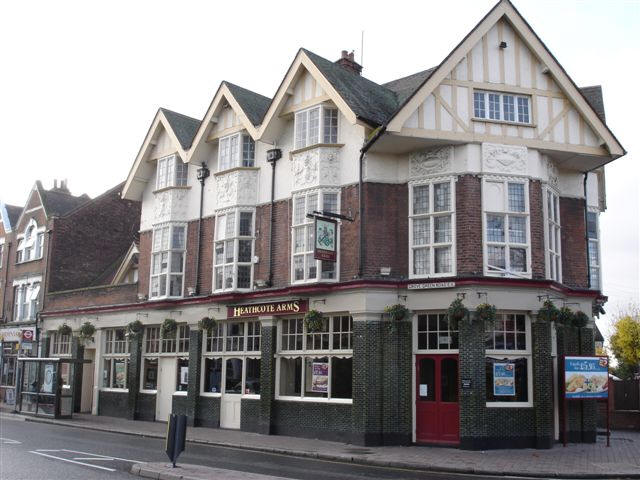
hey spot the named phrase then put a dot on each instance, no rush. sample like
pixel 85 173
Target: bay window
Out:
pixel 500 106
pixel 507 244
pixel 231 358
pixel 305 268
pixel 171 172
pixel 508 362
pixel 237 150
pixel 316 125
pixel 593 234
pixel 167 261
pixel 233 250
pixel 553 239
pixel 315 365
pixel 432 229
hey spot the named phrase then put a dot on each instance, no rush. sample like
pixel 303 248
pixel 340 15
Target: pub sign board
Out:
pixel 326 239
pixel 287 307
pixel 586 377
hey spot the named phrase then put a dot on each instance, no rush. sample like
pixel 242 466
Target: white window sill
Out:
pixel 176 187
pixel 344 401
pixel 29 261
pixel 210 394
pixel 514 275
pixel 314 281
pixel 231 290
pixel 236 169
pixel 116 390
pixel 180 394
pixel 508 353
pixel 433 275
pixel 149 392
pixel 444 351
pixel 503 122
pixel 316 145
pixel 251 396
pixel 156 299
pixel 509 404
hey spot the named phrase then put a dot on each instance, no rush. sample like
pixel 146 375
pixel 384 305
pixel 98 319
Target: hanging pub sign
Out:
pixel 586 377
pixel 275 308
pixel 326 230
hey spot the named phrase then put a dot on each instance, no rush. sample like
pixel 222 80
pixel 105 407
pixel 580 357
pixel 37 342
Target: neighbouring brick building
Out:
pixel 480 180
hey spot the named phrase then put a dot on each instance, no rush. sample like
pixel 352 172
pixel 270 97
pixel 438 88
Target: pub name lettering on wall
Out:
pixel 276 308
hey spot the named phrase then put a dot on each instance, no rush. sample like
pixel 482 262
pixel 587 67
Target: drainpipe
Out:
pixel 43 290
pixel 273 156
pixel 586 228
pixel 202 175
pixel 6 279
pixel 377 133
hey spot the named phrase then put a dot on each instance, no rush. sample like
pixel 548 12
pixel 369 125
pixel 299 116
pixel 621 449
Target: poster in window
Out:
pixel 586 377
pixel 120 375
pixel 320 377
pixel 184 375
pixel 326 239
pixel 47 382
pixel 504 379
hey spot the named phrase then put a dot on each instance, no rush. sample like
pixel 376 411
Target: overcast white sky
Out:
pixel 81 81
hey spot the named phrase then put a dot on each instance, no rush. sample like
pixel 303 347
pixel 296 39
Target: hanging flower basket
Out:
pixel 486 313
pixel 87 331
pixel 64 329
pixel 134 328
pixel 565 316
pixel 549 312
pixel 397 312
pixel 457 311
pixel 314 321
pixel 580 319
pixel 207 324
pixel 169 328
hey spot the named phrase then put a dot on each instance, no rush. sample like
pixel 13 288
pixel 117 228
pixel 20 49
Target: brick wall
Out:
pixel 107 225
pixel 537 229
pixel 94 296
pixel 206 255
pixel 349 233
pixel 469 226
pixel 281 242
pixel 574 248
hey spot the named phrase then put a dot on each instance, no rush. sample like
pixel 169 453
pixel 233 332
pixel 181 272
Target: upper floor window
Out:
pixel 553 240
pixel 431 229
pixel 116 341
pixel 505 107
pixel 60 344
pixel 26 301
pixel 30 246
pixel 172 172
pixel 316 125
pixel 238 150
pixel 506 227
pixel 233 252
pixel 593 234
pixel 1 251
pixel 304 266
pixel 167 261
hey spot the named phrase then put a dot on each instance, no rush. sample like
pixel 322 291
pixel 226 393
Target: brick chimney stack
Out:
pixel 347 61
pixel 62 187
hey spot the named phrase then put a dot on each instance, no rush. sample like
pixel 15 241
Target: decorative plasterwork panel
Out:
pixel 235 188
pixel 430 162
pixel 552 173
pixel 170 205
pixel 504 158
pixel 315 167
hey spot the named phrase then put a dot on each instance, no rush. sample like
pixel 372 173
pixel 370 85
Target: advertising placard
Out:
pixel 586 377
pixel 326 244
pixel 184 375
pixel 504 379
pixel 47 381
pixel 120 374
pixel 320 377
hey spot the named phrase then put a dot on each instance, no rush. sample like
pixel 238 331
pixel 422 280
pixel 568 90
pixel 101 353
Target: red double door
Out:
pixel 437 409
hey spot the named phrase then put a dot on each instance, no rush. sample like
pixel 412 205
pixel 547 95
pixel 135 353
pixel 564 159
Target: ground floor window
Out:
pixel 182 380
pixel 238 375
pixel 114 372
pixel 8 373
pixel 436 332
pixel 322 376
pixel 149 373
pixel 507 379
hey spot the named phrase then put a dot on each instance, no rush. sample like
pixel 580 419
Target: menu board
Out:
pixel 504 379
pixel 320 377
pixel 586 377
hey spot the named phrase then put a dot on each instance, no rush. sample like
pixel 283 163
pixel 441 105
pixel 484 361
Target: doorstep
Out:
pixel 621 460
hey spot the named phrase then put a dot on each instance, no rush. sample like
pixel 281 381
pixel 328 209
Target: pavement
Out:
pixel 621 460
pixel 164 471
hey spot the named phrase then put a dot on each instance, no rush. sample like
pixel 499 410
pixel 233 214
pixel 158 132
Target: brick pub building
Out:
pixel 480 179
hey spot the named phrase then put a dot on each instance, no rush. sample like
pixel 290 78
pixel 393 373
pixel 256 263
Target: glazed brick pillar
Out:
pixel 589 407
pixel 472 401
pixel 396 382
pixel 133 378
pixel 77 352
pixel 368 397
pixel 574 247
pixel 568 344
pixel 268 344
pixel 536 199
pixel 469 226
pixel 195 365
pixel 542 383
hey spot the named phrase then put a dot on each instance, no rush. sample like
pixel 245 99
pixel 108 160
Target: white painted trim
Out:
pixel 545 208
pixel 346 401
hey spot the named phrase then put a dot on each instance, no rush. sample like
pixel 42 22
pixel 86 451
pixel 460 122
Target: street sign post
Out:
pixel 176 434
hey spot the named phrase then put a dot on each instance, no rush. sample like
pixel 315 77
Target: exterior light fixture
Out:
pixel 202 173
pixel 503 44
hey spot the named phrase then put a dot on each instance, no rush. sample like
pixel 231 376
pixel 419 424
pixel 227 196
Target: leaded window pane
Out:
pixel 495 228
pixel 518 259
pixel 421 261
pixel 442 197
pixel 494 106
pixel 478 105
pixel 421 231
pixel 516 197
pixel 517 229
pixel 442 259
pixel 442 229
pixel 508 106
pixel 420 199
pixel 496 256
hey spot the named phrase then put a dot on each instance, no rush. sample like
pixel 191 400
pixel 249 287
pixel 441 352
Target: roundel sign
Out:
pixel 27 335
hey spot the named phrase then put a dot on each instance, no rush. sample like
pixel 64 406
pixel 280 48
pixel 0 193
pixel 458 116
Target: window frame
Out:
pixel 517 97
pixel 597 248
pixel 23 300
pixel 308 224
pixel 514 354
pixel 170 251
pixel 113 357
pixel 236 238
pixel 30 243
pixel 171 172
pixel 1 252
pixel 507 243
pixel 239 154
pixel 416 332
pixel 160 351
pixel 304 354
pixel 60 345
pixel 321 138
pixel 225 354
pixel 552 223
pixel 431 245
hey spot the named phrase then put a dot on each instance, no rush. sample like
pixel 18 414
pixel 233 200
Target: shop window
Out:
pixel 436 332
pixel 167 261
pixel 60 344
pixel 9 359
pixel 316 125
pixel 321 361
pixel 233 250
pixel 171 172
pixel 252 376
pixel 212 375
pixel 508 361
pixel 114 373
pixel 553 239
pixel 237 150
pixel 149 373
pixel 305 268
pixel 506 228
pixel 182 380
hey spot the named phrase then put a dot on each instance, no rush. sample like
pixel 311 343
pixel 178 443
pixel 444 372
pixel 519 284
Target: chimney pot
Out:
pixel 344 54
pixel 55 183
pixel 347 61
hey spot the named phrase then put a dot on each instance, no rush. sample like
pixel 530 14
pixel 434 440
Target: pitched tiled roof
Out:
pixel 405 87
pixel 14 214
pixel 184 127
pixel 57 203
pixel 253 104
pixel 594 98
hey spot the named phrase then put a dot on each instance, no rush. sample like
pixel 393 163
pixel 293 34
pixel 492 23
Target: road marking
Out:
pixel 98 455
pixel 73 461
pixel 8 441
pixel 92 458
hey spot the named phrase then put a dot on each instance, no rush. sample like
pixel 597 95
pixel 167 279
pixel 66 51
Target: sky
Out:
pixel 81 81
